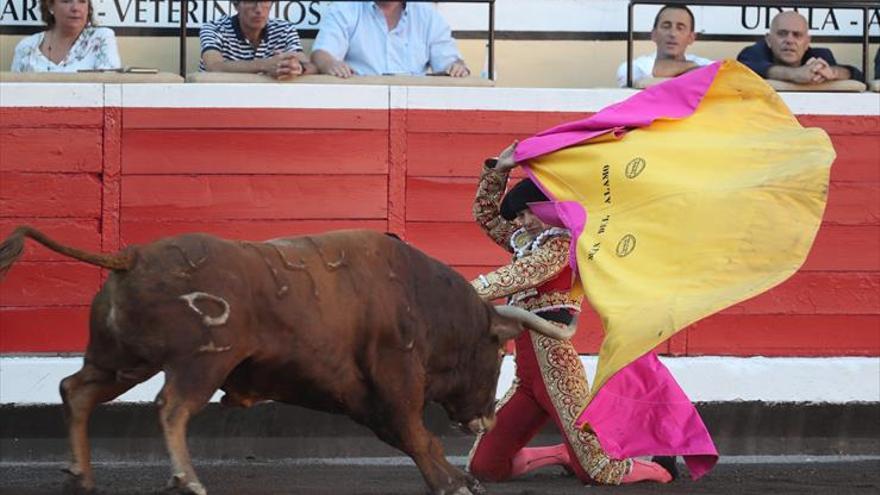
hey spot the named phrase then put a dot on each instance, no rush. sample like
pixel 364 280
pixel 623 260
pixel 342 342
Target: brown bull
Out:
pixel 353 322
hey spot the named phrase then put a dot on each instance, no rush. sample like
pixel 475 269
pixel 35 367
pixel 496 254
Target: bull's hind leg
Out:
pixel 80 393
pixel 189 385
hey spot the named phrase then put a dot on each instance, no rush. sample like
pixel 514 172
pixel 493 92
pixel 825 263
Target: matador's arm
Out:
pixel 544 263
pixel 487 206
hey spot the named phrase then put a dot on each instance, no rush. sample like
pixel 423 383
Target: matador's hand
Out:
pixel 506 158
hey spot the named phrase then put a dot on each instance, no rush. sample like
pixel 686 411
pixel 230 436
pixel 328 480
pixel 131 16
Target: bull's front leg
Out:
pixel 436 450
pixel 395 414
pixel 408 433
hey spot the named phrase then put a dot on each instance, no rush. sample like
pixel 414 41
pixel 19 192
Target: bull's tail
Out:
pixel 12 248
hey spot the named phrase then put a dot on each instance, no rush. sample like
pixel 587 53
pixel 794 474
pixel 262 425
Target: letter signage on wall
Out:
pixel 590 18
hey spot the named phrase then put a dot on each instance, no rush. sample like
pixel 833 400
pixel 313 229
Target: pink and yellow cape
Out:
pixel 686 198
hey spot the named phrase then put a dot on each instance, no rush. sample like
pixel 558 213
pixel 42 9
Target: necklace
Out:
pixel 51 38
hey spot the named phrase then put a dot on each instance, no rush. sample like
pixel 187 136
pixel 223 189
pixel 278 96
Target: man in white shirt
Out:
pixel 384 38
pixel 673 33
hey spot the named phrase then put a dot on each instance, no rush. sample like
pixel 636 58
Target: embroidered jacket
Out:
pixel 539 278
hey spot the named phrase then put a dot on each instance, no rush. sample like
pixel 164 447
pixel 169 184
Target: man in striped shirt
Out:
pixel 250 42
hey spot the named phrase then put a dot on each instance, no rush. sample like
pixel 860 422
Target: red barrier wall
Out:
pixel 100 178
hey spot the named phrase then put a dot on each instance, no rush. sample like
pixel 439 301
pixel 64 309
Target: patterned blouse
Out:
pixel 539 278
pixel 95 48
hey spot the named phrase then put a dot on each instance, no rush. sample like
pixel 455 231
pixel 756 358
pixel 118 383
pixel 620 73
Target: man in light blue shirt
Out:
pixel 381 38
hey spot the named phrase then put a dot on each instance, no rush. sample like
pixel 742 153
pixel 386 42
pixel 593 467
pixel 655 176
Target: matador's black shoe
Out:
pixel 668 463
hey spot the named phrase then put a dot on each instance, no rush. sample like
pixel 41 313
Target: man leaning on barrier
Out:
pixel 785 54
pixel 250 42
pixel 386 38
pixel 673 33
pixel 877 64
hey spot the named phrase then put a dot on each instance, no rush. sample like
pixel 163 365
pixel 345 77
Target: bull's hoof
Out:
pixel 191 488
pixel 75 484
pixel 475 487
pixel 71 487
pixel 454 490
pixel 179 486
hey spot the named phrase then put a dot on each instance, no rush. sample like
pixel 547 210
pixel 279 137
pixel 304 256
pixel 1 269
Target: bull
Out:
pixel 353 322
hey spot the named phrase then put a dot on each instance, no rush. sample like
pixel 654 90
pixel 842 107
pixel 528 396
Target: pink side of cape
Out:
pixel 673 99
pixel 569 215
pixel 641 410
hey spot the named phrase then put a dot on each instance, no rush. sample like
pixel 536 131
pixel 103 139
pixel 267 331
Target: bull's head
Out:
pixel 474 409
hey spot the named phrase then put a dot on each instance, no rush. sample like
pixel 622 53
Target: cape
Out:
pixel 689 197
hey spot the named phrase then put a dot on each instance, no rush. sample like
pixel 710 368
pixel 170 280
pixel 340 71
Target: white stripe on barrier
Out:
pixel 113 95
pixel 354 97
pixel 515 99
pixel 310 96
pixel 53 95
pixel 34 380
pixel 593 100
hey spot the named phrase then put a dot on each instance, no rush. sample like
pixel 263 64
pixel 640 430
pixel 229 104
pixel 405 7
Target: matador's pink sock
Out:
pixel 531 458
pixel 646 471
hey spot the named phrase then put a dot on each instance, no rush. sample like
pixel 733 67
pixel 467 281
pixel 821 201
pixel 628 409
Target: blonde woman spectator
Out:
pixel 70 43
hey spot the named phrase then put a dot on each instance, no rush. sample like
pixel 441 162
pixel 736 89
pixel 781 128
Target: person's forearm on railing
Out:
pixel 280 66
pixel 328 64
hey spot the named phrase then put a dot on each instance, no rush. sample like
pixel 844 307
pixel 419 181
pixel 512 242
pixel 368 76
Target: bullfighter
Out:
pixel 550 381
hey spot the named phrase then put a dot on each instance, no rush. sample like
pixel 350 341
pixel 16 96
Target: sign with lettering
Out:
pixel 523 16
pixel 163 14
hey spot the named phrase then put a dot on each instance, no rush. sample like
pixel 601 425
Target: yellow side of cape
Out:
pixel 687 217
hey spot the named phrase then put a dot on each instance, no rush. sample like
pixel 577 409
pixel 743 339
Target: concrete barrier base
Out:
pixel 130 432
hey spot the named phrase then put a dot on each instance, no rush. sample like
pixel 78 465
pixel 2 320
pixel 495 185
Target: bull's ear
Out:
pixel 505 328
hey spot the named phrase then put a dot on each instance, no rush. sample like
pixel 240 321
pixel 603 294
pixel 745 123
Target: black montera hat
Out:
pixel 517 199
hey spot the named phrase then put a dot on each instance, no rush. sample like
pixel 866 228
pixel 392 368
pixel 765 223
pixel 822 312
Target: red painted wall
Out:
pixel 106 177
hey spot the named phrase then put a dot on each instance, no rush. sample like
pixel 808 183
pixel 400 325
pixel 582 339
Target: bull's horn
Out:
pixel 537 323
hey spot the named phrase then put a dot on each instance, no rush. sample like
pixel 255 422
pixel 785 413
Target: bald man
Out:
pixel 785 54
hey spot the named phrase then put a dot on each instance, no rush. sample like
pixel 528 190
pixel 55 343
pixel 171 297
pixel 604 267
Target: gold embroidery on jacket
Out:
pixel 542 265
pixel 487 207
pixel 546 301
pixel 568 388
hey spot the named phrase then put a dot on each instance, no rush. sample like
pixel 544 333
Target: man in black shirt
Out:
pixel 785 54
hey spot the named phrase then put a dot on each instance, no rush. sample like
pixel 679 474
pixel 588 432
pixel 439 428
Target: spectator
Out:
pixel 71 41
pixel 673 33
pixel 785 54
pixel 383 38
pixel 250 42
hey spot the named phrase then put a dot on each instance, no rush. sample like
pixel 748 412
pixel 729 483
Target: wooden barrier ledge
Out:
pixel 230 77
pixel 89 77
pixel 848 86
